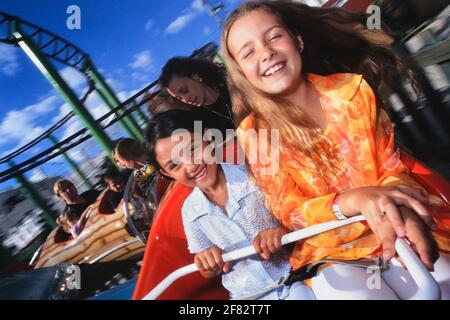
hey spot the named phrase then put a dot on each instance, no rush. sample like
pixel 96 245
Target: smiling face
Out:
pixel 181 166
pixel 190 91
pixel 265 52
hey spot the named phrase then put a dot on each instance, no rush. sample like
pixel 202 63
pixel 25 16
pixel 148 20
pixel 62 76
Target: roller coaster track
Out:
pixel 56 48
pixel 53 47
pixel 50 44
pixel 61 50
pixel 130 105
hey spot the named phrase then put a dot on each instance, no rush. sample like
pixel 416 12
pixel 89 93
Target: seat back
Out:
pixel 432 181
pixel 104 206
pixel 167 251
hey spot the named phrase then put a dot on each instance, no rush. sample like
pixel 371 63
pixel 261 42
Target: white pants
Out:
pixel 346 282
pixel 296 291
pixel 300 291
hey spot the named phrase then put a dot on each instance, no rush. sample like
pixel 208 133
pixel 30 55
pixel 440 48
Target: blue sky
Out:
pixel 128 41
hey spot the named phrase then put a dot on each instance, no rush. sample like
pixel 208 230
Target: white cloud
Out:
pixel 149 24
pixel 198 5
pixel 47 105
pixel 98 110
pixel 6 151
pixel 18 126
pixel 95 106
pixel 8 59
pixel 180 22
pixel 65 108
pixel 115 84
pixel 63 111
pixel 73 77
pixel 140 77
pixel 142 64
pixel 37 175
pixel 74 125
pixel 142 60
pixel 77 155
pixel 124 95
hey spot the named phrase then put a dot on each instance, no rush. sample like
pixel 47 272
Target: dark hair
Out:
pixel 164 102
pixel 212 75
pixel 128 148
pixel 111 173
pixel 163 125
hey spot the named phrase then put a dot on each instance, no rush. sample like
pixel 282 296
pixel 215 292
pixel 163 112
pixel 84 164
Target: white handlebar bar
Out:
pixel 428 288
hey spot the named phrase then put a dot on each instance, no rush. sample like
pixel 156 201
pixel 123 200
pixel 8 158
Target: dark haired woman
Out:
pixel 201 84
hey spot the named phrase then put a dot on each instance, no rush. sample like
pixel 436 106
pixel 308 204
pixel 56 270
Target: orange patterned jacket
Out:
pixel 365 155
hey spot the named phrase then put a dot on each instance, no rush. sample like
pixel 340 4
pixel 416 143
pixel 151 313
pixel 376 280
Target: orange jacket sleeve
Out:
pixel 390 169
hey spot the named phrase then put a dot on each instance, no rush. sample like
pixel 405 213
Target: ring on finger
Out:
pixel 381 213
pixel 378 214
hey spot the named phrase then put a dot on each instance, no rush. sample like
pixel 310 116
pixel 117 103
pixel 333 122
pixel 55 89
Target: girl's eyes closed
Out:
pixel 247 54
pixel 274 37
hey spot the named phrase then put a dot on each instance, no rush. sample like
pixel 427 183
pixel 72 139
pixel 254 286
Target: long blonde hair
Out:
pixel 330 46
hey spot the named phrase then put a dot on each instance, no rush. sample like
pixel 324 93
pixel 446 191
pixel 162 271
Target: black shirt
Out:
pixel 115 198
pixel 218 115
pixel 89 196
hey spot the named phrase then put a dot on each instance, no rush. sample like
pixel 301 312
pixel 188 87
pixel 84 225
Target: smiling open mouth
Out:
pixel 200 174
pixel 274 69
